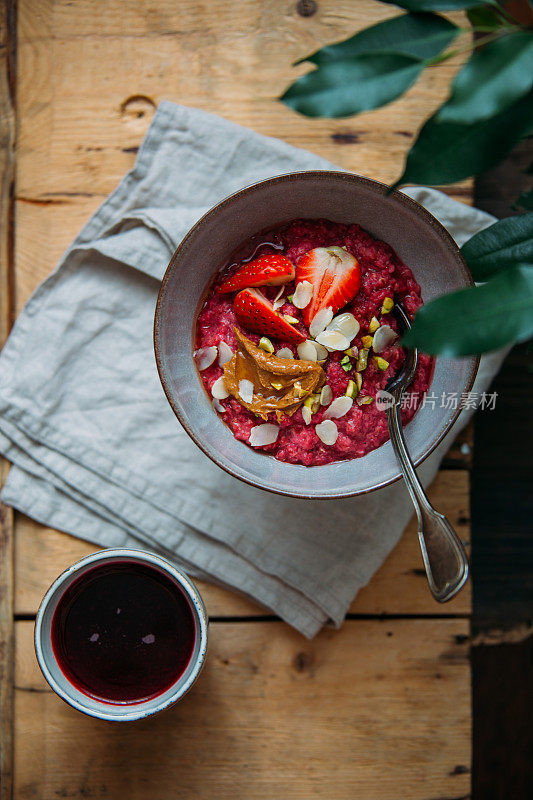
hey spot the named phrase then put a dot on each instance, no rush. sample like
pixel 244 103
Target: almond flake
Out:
pixel 339 407
pixel 327 432
pixel 279 300
pixel 218 389
pixel 285 352
pixel 302 294
pixel 217 405
pixel 333 340
pixel 346 324
pixel 204 357
pixel 246 390
pixel 320 321
pixel 306 414
pixel 383 338
pixel 307 351
pixel 263 434
pixel 326 395
pixel 225 353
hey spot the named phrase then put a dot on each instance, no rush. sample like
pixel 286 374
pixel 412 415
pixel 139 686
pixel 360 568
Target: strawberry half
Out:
pixel 269 270
pixel 256 313
pixel 335 276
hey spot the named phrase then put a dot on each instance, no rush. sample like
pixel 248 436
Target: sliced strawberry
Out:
pixel 269 270
pixel 256 313
pixel 335 276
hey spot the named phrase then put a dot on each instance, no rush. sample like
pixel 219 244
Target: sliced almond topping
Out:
pixel 302 294
pixel 320 321
pixel 333 340
pixel 263 434
pixel 218 389
pixel 383 338
pixel 217 405
pixel 339 407
pixel 204 357
pixel 306 414
pixel 346 324
pixel 285 352
pixel 326 395
pixel 307 351
pixel 327 432
pixel 225 353
pixel 246 390
pixel 279 300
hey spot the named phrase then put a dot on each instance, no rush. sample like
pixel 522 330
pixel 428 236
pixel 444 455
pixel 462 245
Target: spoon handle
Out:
pixel 442 552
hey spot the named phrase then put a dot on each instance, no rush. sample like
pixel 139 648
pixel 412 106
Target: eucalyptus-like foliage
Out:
pixel 488 111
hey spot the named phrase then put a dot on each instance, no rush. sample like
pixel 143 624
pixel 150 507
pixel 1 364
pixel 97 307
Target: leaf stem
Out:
pixel 433 62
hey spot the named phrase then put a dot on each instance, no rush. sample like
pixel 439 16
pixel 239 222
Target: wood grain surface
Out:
pixel 270 718
pixel 379 710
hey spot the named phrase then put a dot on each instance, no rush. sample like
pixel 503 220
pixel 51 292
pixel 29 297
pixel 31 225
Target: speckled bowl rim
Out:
pixel 315 175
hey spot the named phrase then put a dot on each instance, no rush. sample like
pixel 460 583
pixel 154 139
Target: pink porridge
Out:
pixel 294 426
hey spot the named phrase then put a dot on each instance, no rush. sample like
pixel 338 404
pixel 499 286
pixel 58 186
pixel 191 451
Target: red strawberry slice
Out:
pixel 335 276
pixel 269 270
pixel 257 314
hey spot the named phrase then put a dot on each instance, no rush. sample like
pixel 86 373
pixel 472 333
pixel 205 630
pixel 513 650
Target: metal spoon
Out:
pixel 443 554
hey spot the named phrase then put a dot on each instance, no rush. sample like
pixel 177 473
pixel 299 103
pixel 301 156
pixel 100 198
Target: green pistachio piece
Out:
pixel 367 341
pixel 266 345
pixel 388 305
pixel 352 390
pixel 380 363
pixel 362 360
pixel 373 325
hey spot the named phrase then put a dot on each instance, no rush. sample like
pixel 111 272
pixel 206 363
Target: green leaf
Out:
pixel 445 152
pixel 500 246
pixel 419 35
pixel 485 17
pixel 477 319
pixel 494 78
pixel 438 5
pixel 525 201
pixel 342 88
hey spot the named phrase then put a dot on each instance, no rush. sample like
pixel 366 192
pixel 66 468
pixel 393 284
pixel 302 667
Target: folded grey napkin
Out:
pixel 96 449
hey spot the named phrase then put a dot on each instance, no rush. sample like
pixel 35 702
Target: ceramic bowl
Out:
pixel 417 237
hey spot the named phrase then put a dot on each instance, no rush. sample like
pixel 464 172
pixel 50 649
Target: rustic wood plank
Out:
pixel 7 180
pixel 374 710
pixel 89 84
pixel 399 586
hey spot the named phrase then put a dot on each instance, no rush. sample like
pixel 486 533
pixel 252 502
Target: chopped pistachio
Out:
pixel 289 298
pixel 352 351
pixel 373 325
pixel 365 400
pixel 266 345
pixel 359 380
pixel 345 360
pixel 380 363
pixel 362 360
pixel 352 390
pixel 288 318
pixel 388 305
pixel 346 367
pixel 277 386
pixel 312 403
pixel 367 341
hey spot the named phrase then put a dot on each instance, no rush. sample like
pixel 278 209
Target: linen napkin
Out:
pixel 95 447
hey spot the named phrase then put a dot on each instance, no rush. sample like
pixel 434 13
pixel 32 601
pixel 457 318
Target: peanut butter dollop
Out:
pixel 280 384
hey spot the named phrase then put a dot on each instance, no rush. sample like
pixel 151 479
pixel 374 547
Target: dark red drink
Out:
pixel 123 632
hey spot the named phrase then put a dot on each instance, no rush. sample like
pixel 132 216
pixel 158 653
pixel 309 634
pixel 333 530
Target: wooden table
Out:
pixel 379 710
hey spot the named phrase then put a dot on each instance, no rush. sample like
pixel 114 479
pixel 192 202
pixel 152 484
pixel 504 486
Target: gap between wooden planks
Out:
pixel 378 709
